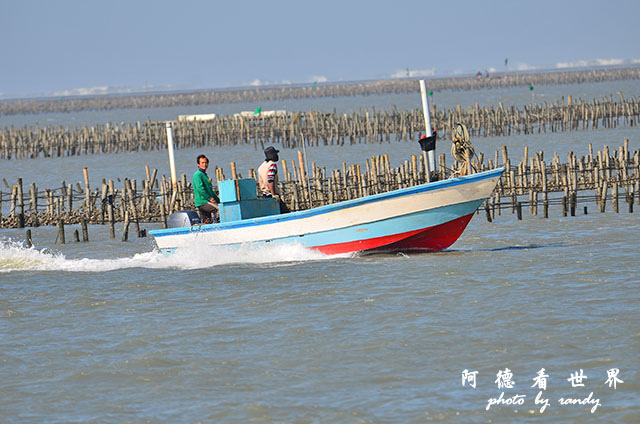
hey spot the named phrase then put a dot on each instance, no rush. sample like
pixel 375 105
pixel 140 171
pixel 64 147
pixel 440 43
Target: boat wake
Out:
pixel 14 256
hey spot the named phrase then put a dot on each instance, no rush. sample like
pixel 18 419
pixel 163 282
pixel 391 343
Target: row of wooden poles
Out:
pixel 364 126
pixel 605 176
pixel 279 93
pixel 598 178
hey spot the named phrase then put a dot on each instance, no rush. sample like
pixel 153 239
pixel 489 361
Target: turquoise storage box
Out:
pixel 234 190
pixel 239 200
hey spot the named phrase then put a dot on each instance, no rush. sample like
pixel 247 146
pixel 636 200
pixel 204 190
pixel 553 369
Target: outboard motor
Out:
pixel 183 219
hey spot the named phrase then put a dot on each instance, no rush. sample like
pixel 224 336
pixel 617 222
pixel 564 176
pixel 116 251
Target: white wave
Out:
pixel 597 62
pixel 586 63
pixel 107 89
pixel 312 79
pixel 88 91
pixel 525 67
pixel 14 256
pixel 412 73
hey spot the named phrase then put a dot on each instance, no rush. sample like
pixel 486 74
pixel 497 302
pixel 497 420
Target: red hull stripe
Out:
pixel 431 239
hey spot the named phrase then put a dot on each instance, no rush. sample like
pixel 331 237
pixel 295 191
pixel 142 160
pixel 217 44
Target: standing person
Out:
pixel 205 199
pixel 268 176
pixel 268 172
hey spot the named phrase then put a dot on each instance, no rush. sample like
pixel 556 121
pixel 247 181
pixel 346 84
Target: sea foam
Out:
pixel 14 256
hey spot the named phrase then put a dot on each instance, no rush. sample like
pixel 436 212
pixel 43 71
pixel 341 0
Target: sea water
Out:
pixel 107 331
pixel 111 331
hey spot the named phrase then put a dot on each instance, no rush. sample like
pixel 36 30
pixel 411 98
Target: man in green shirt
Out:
pixel 205 199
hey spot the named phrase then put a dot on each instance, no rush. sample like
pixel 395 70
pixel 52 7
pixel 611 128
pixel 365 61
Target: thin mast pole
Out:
pixel 172 162
pixel 430 164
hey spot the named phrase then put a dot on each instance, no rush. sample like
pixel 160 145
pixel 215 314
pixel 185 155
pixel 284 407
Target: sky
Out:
pixel 74 47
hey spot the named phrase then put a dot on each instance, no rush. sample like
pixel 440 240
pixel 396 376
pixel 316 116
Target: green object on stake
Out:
pixel 430 92
pixel 533 95
pixel 258 110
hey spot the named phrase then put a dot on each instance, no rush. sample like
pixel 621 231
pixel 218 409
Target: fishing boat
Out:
pixel 425 217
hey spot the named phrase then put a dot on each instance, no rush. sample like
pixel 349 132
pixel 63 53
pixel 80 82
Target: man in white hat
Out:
pixel 268 173
pixel 268 176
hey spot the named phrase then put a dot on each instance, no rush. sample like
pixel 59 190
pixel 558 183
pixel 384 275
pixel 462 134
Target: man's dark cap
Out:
pixel 271 152
pixel 270 149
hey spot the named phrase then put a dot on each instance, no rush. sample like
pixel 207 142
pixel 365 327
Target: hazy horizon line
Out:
pixel 105 90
